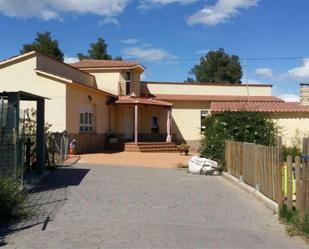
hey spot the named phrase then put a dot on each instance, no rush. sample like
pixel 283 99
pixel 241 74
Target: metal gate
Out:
pixel 11 142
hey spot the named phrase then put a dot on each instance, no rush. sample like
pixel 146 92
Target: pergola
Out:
pixel 14 99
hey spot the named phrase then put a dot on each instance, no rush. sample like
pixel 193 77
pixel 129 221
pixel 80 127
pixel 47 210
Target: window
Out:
pixel 86 119
pixel 128 83
pixel 204 114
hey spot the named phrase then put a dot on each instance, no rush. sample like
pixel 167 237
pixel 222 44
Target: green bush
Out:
pixel 238 126
pixel 12 199
pixel 298 224
pixel 290 150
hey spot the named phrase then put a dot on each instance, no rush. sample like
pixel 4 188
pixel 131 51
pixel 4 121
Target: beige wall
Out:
pixel 77 96
pixel 107 80
pixel 146 114
pixel 187 119
pixel 113 81
pixel 135 82
pixel 293 127
pixel 198 89
pixel 54 67
pixel 22 77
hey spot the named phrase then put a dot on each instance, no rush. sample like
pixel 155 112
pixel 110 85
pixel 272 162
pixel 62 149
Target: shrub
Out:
pixel 12 199
pixel 238 126
pixel 290 150
pixel 297 224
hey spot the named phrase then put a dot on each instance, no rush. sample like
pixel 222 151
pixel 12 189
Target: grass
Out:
pixel 297 225
pixel 12 200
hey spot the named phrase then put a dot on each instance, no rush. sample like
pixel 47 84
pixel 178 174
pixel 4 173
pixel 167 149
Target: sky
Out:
pixel 271 37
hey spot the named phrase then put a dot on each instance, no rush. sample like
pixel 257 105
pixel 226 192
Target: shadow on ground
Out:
pixel 44 201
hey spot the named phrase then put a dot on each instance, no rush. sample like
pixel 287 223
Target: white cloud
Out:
pixel 301 73
pixel 148 54
pixel 203 52
pixel 53 9
pixel 220 12
pixel 129 41
pixel 70 59
pixel 290 97
pixel 147 4
pixel 264 72
pixel 253 81
pixel 143 76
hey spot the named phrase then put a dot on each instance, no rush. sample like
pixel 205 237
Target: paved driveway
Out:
pixel 135 207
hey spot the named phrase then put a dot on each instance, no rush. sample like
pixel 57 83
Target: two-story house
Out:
pixel 92 98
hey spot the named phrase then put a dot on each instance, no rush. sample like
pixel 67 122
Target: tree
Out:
pixel 97 51
pixel 45 45
pixel 241 126
pixel 218 67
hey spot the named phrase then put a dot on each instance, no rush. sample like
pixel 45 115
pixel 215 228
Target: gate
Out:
pixel 11 142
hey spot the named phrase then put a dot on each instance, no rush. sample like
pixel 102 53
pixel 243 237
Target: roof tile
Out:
pixel 269 107
pixel 103 64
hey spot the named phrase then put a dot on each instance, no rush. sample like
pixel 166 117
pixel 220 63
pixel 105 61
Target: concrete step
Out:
pixel 151 147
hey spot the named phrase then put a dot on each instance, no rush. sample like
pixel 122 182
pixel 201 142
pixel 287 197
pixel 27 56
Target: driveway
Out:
pixel 154 160
pixel 97 206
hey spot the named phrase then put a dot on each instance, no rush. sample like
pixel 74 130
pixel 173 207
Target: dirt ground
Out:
pixel 159 160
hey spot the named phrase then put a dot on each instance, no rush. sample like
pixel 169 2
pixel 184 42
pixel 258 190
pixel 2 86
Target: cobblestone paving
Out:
pixel 96 206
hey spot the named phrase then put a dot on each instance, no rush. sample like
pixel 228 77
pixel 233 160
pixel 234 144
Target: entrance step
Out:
pixel 151 147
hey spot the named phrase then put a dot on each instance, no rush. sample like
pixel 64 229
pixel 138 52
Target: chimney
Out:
pixel 304 94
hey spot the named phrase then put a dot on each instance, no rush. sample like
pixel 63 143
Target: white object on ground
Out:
pixel 199 165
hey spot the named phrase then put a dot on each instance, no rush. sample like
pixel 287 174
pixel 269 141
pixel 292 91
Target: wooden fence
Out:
pixel 298 171
pixel 257 165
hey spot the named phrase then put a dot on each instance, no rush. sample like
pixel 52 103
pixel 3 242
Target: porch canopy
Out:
pixel 136 101
pixel 14 99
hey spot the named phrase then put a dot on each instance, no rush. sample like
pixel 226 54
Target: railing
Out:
pixel 257 165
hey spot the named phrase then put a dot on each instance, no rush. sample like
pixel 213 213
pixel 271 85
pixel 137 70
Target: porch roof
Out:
pixel 140 101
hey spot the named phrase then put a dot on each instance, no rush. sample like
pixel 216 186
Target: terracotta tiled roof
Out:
pixel 104 64
pixel 142 101
pixel 216 97
pixel 270 107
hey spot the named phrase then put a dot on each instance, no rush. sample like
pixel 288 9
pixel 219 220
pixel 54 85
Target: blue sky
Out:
pixel 169 36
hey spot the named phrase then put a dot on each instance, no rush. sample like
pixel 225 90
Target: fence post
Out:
pixel 279 170
pixel 304 185
pixel 227 157
pixel 298 186
pixel 304 182
pixel 256 167
pixel 290 192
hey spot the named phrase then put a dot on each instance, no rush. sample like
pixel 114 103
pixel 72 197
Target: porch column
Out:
pixel 169 125
pixel 135 123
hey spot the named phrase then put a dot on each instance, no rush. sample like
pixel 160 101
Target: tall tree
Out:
pixel 45 45
pixel 98 51
pixel 218 67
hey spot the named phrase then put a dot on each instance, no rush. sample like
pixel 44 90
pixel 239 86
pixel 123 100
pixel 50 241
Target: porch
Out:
pixel 142 124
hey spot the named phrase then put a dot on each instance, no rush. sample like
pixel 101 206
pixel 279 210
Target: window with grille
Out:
pixel 86 119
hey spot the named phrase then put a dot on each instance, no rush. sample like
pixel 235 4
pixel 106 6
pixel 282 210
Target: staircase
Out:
pixel 151 147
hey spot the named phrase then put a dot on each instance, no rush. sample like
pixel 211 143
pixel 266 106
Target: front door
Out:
pixel 128 123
